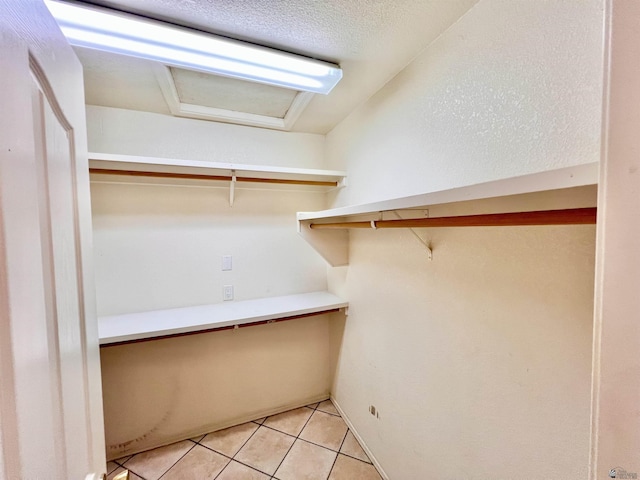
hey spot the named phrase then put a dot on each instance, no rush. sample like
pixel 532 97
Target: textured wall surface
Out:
pixel 478 362
pixel 161 247
pixel 513 87
pixel 113 130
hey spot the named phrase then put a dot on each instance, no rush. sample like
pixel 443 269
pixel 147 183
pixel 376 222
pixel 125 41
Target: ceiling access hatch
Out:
pixel 206 96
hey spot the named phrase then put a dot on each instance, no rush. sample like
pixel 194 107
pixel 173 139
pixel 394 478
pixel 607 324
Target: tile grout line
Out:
pixel 116 464
pixel 122 464
pixel 355 458
pixel 344 440
pixel 336 459
pixel 315 409
pixel 296 438
pixel 237 461
pixel 372 460
pixel 127 468
pixel 337 414
pixel 232 459
pixel 322 446
pixel 304 439
pixel 185 454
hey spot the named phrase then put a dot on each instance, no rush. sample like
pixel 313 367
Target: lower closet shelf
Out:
pixel 132 327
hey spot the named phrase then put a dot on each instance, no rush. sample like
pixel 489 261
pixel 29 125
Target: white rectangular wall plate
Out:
pixel 227 292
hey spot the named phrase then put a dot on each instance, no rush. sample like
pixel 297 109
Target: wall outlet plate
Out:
pixel 227 292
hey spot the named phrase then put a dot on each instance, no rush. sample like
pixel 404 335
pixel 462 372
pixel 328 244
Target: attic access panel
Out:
pixel 212 97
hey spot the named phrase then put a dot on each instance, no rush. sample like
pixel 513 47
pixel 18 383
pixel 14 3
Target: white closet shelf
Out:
pixel 116 167
pixel 333 245
pixel 133 327
pixel 581 175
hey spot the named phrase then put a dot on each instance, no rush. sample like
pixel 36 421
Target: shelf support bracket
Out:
pixel 232 188
pixel 429 251
pixel 426 243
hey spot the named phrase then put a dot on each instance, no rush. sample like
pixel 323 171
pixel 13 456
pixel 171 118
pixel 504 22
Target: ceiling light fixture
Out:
pixel 115 32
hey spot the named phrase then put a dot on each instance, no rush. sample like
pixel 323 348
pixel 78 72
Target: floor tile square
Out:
pixel 347 468
pixel 152 464
pixel 306 461
pixel 229 440
pixel 265 450
pixel 237 471
pixel 198 464
pixel 351 447
pixel 328 407
pixel 122 460
pixel 111 466
pixel 117 471
pixel 290 422
pixel 325 430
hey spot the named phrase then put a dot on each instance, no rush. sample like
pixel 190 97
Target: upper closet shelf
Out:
pixel 332 241
pixel 114 167
pixel 133 327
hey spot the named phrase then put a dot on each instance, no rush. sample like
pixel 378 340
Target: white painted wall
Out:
pixel 479 361
pixel 513 87
pixel 160 246
pixel 168 390
pixel 128 132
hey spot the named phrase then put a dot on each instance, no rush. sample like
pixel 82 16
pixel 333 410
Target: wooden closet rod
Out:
pixel 573 216
pixel 204 176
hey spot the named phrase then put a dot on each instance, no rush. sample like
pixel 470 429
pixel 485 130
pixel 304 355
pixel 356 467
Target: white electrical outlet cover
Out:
pixel 227 292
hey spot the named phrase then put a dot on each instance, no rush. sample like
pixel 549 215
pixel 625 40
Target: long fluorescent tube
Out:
pixel 114 32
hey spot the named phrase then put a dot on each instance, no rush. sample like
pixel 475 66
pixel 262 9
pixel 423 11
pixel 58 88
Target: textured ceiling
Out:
pixel 372 40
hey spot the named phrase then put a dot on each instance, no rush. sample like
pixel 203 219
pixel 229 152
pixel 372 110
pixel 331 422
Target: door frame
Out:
pixel 615 407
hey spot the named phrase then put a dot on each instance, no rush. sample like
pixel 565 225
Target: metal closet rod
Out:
pixel 204 176
pixel 572 216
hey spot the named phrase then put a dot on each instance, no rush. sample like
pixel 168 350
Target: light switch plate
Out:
pixel 227 263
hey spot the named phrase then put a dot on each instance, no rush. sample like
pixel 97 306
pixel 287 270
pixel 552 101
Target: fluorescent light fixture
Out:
pixel 115 32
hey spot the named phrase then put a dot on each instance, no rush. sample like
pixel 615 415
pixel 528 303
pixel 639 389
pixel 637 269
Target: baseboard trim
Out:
pixel 364 446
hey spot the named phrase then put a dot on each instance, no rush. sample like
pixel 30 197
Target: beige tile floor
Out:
pixel 308 443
